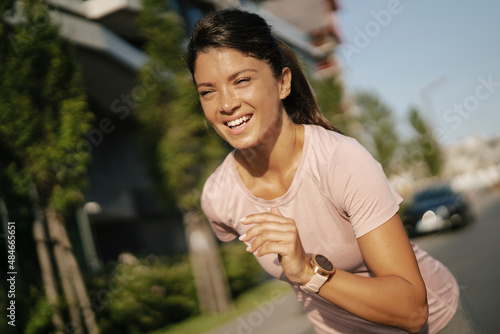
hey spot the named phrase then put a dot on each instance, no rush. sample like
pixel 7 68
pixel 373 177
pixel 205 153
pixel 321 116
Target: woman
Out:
pixel 294 187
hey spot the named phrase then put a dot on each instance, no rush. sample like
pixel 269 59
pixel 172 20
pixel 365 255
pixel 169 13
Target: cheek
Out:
pixel 205 110
pixel 208 110
pixel 211 117
pixel 259 97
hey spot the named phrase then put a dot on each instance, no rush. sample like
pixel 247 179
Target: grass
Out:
pixel 244 303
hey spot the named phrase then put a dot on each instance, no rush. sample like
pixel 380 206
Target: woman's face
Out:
pixel 240 95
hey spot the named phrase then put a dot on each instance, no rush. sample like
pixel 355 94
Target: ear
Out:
pixel 285 83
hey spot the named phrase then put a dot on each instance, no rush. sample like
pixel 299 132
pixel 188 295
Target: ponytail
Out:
pixel 301 105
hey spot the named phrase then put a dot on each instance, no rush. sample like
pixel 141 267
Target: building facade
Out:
pixel 122 212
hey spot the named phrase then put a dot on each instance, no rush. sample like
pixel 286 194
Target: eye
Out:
pixel 241 80
pixel 204 93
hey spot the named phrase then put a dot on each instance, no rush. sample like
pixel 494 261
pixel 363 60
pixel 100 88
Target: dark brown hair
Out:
pixel 250 34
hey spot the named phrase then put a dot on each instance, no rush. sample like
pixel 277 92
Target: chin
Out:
pixel 240 146
pixel 239 142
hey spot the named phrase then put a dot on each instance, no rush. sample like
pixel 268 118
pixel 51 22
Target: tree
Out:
pixel 424 147
pixel 379 129
pixel 43 119
pixel 181 148
pixel 329 93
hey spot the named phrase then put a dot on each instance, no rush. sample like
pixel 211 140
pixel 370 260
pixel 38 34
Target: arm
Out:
pixel 396 296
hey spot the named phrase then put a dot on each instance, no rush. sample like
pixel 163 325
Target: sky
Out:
pixel 441 56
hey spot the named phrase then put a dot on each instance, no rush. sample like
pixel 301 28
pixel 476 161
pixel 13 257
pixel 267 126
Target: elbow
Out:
pixel 417 319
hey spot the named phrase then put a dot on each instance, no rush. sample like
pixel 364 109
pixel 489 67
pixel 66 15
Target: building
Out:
pixel 123 213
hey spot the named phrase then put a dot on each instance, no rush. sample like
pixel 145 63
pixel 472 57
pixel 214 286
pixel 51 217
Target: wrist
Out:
pixel 308 272
pixel 322 269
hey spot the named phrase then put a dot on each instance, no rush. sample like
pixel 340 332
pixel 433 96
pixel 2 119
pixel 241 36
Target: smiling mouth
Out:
pixel 235 124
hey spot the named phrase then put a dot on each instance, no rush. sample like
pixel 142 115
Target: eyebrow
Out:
pixel 230 78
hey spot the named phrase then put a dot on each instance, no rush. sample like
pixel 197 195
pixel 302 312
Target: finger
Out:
pixel 276 211
pixel 264 217
pixel 280 248
pixel 266 226
pixel 271 237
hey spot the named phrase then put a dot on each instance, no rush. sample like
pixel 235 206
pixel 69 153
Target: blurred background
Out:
pixel 104 151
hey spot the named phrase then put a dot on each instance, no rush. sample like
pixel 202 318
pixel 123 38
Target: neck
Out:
pixel 278 153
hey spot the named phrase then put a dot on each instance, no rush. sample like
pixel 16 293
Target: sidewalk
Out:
pixel 280 315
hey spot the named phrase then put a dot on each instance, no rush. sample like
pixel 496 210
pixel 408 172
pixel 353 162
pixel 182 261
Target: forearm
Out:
pixel 396 296
pixel 387 300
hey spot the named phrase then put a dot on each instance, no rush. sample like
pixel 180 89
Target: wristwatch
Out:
pixel 323 269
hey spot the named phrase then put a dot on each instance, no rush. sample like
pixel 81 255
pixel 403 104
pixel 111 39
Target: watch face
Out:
pixel 323 262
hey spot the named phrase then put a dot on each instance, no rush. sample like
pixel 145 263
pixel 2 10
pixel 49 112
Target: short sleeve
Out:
pixel 223 231
pixel 359 186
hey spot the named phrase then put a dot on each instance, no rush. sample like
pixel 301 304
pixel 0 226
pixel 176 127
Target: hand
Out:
pixel 274 233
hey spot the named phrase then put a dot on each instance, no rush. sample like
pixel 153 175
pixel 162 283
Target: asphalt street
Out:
pixel 472 253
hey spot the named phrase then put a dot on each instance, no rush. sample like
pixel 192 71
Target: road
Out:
pixel 472 253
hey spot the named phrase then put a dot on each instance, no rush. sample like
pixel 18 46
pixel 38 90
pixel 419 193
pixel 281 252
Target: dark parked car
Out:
pixel 434 209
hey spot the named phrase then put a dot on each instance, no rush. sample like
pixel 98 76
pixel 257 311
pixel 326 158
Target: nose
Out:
pixel 229 101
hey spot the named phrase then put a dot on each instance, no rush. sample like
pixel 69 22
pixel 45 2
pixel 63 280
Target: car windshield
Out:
pixel 433 193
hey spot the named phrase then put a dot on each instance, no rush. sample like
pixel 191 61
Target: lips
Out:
pixel 239 122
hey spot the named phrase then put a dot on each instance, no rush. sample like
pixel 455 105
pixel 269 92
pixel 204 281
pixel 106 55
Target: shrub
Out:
pixel 140 296
pixel 40 320
pixel 243 271
pixel 149 294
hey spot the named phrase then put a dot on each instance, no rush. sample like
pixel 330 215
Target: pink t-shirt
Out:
pixel 338 194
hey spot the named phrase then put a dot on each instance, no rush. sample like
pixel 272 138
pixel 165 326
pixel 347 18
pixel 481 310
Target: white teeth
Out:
pixel 238 121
